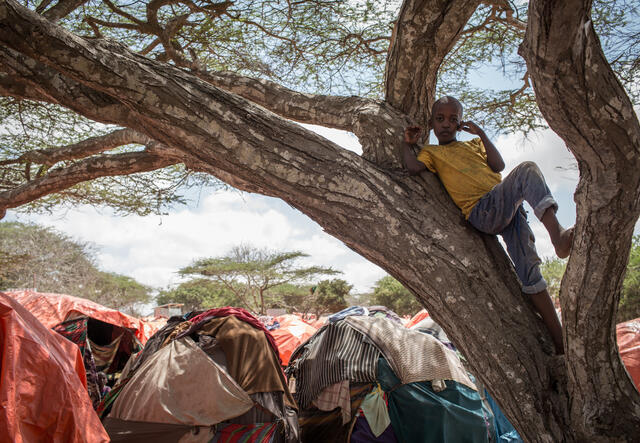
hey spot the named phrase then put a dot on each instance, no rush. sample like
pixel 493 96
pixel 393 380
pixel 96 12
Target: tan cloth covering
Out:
pixel 250 359
pixel 181 384
pixel 412 355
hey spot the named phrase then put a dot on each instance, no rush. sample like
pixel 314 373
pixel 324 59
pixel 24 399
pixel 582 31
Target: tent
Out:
pixel 628 337
pixel 53 309
pixel 421 315
pixel 210 375
pixel 42 383
pixel 290 334
pixel 106 337
pixel 363 378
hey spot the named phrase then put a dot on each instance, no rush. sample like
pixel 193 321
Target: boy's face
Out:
pixel 445 122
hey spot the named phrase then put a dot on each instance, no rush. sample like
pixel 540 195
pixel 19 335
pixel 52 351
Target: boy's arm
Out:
pixel 494 159
pixel 411 163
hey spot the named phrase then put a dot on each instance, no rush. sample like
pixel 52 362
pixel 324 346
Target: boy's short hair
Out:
pixel 447 99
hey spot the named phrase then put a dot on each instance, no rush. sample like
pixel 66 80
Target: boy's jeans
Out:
pixel 500 211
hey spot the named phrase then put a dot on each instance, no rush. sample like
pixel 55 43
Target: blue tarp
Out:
pixel 419 414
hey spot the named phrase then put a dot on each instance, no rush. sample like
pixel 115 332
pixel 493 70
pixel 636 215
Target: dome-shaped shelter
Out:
pixel 212 375
pixel 106 337
pixel 42 383
pixel 362 378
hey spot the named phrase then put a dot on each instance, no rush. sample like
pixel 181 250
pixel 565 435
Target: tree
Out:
pixel 198 294
pixel 36 257
pixel 120 292
pixel 185 83
pixel 389 292
pixel 253 275
pixel 44 259
pixel 552 270
pixel 630 300
pixel 330 295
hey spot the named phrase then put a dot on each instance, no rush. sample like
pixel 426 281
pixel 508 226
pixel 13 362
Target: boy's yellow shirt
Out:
pixel 463 170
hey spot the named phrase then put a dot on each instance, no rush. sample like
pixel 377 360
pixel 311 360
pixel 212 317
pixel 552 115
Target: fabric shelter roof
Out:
pixel 43 383
pixel 52 309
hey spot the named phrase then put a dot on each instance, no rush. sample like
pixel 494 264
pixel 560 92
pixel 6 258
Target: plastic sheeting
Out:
pixel 43 394
pixel 419 414
pixel 417 318
pixel 292 332
pixel 52 309
pixel 628 337
pixel 207 394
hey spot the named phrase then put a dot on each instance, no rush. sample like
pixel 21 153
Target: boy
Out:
pixel 470 172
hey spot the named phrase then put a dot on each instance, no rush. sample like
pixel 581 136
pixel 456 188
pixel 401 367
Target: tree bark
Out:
pixel 406 225
pixel 584 103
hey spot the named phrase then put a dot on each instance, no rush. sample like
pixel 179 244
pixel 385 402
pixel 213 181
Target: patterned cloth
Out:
pixel 76 332
pixel 413 356
pixel 256 433
pixel 336 396
pixel 336 352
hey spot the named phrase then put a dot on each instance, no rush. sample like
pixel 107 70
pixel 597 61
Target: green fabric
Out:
pixel 419 414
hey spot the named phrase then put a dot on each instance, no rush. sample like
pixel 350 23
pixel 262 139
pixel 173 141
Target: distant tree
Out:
pixel 552 271
pixel 198 294
pixel 33 256
pixel 251 274
pixel 391 293
pixel 330 296
pixel 629 307
pixel 120 292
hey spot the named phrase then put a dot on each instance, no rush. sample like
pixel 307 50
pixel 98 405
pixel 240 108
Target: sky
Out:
pixel 153 248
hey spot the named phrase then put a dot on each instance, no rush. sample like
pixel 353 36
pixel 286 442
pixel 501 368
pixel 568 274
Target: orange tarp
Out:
pixel 43 393
pixel 293 331
pixel 417 318
pixel 628 337
pixel 52 309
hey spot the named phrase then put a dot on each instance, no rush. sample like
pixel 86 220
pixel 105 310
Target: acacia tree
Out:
pixel 188 107
pixel 254 275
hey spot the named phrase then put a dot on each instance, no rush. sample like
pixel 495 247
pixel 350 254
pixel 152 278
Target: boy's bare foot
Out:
pixel 562 244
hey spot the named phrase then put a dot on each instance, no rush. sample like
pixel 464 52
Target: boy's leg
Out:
pixel 525 182
pixel 522 249
pixel 544 305
pixel 520 242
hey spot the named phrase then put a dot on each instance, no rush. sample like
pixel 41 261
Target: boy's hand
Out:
pixel 471 128
pixel 412 134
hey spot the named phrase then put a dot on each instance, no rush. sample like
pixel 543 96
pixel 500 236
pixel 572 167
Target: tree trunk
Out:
pixel 406 225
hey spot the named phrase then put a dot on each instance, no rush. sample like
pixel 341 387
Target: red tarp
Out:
pixel 52 309
pixel 292 332
pixel 628 337
pixel 43 393
pixel 417 318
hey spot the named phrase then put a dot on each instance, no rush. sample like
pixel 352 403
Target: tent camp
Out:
pixel 42 383
pixel 214 375
pixel 106 337
pixel 362 378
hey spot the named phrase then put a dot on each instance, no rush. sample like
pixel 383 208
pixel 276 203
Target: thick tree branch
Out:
pixel 584 103
pixel 100 166
pixel 422 37
pixel 82 149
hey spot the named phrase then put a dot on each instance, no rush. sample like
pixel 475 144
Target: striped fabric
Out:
pixel 336 352
pixel 412 355
pixel 256 433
